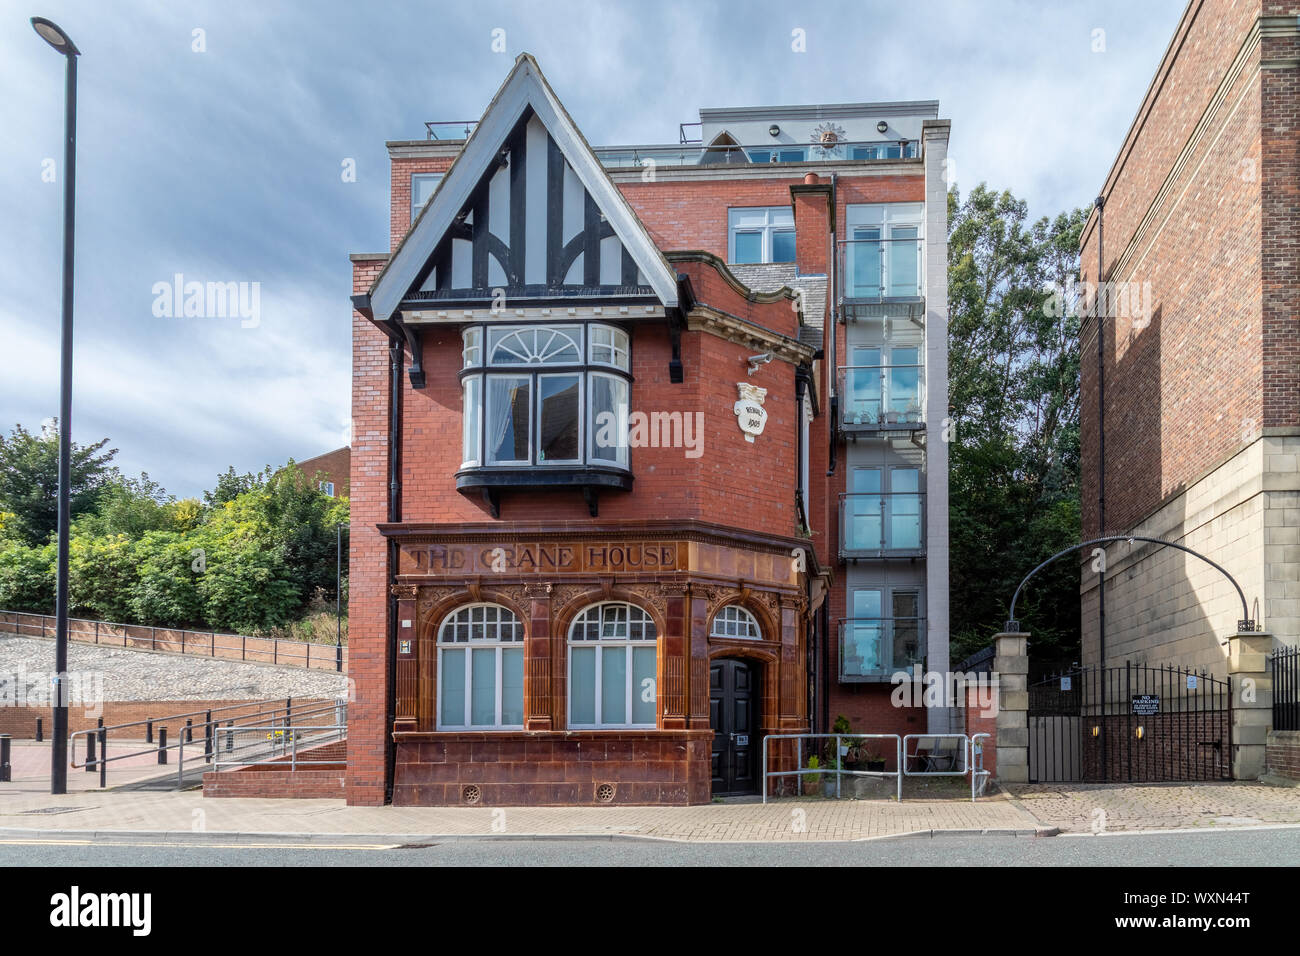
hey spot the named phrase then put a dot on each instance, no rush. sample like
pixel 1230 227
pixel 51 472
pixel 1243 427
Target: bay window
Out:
pixel 542 396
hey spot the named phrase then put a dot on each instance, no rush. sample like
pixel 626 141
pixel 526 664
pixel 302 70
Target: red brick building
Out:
pixel 597 464
pixel 1201 225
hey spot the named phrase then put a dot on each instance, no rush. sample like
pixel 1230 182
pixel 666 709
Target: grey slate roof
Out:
pixel 768 277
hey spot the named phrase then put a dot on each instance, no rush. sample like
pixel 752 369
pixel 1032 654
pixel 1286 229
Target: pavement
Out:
pixel 1027 811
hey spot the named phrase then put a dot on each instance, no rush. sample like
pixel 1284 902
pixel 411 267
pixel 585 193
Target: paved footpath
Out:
pixel 809 820
pixel 1095 808
pixel 1023 811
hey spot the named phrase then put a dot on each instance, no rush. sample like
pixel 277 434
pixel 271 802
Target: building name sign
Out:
pixel 543 558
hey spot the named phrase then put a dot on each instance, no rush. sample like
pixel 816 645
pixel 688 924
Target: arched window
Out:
pixel 481 669
pixel 612 667
pixel 734 621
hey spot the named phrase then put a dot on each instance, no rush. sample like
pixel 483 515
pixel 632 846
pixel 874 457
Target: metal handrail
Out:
pixel 468 126
pixel 839 770
pixel 289 743
pixel 208 728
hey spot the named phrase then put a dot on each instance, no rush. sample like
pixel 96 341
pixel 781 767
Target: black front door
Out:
pixel 732 699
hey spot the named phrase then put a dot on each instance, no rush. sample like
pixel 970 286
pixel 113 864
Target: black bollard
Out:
pixel 162 745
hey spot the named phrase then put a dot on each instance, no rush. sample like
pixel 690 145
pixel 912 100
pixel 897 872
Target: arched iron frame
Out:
pixel 1245 623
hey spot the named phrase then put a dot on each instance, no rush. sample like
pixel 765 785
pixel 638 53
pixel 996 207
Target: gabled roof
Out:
pixel 523 89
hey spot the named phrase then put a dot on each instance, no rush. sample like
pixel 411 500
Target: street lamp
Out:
pixel 52 34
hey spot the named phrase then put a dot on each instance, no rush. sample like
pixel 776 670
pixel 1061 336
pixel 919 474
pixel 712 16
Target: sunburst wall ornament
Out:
pixel 828 135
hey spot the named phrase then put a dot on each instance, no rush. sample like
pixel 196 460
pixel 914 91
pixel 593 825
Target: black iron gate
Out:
pixel 1129 724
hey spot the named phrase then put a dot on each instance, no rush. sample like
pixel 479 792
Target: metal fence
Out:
pixel 175 640
pixel 1284 663
pixel 915 755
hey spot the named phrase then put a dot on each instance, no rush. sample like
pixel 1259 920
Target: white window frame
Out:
pixel 467 647
pixel 632 690
pixel 765 230
pixel 740 616
pixel 327 487
pixel 476 365
pixel 436 179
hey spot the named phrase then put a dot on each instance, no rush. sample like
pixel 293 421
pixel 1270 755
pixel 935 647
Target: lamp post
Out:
pixel 338 597
pixel 62 44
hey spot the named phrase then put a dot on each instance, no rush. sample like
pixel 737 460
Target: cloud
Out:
pixel 224 165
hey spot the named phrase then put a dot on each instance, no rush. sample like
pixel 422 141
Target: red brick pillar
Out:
pixel 405 719
pixel 698 664
pixel 538 654
pixel 674 659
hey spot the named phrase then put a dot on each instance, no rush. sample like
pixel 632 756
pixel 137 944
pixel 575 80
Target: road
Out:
pixel 1241 847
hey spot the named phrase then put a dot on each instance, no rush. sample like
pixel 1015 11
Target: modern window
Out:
pixel 883 510
pixel 422 187
pixel 760 234
pixel 884 250
pixel 481 669
pixel 883 385
pixel 735 621
pixel 612 660
pixel 545 396
pixel 327 487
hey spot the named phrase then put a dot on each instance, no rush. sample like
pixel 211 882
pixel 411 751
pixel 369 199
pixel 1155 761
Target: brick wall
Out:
pixel 553 769
pixel 401 170
pixel 368 553
pixel 1282 754
pixel 1215 237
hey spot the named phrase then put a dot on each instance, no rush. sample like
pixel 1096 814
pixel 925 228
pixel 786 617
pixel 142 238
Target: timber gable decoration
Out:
pixel 527 213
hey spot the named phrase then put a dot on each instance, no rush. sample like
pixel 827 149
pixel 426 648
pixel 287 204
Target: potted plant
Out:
pixel 812 782
pixel 874 760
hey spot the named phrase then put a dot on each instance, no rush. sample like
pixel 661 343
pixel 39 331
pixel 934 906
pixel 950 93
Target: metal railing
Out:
pixel 1284 663
pixel 275 744
pixel 875 269
pixel 178 640
pixel 218 726
pixel 835 766
pixel 882 396
pixel 701 154
pixel 971 748
pixel 876 648
pixel 882 524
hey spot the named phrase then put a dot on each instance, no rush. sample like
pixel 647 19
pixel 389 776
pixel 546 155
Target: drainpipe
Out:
pixel 1101 460
pixel 800 492
pixel 394 515
pixel 833 417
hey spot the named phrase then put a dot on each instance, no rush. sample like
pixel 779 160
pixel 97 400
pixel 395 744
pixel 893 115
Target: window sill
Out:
pixel 589 479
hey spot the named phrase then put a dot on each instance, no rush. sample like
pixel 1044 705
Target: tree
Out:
pixel 166 591
pixel 231 485
pixel 1014 391
pixel 26 577
pixel 29 480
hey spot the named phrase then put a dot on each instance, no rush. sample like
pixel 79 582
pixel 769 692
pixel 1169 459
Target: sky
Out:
pixel 214 142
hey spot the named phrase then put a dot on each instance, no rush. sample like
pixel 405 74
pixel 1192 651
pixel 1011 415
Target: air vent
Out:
pixel 471 794
pixel 605 793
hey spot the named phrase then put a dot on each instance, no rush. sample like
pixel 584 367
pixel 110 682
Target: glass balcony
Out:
pixel 875 269
pixel 882 525
pixel 699 154
pixel 876 648
pixel 876 398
